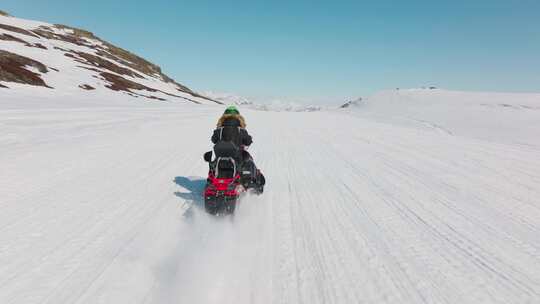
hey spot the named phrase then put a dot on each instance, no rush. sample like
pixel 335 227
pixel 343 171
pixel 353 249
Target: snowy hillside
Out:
pixel 58 60
pixel 501 117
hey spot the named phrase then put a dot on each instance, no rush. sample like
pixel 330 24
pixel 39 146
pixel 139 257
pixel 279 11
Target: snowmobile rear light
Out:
pixel 222 186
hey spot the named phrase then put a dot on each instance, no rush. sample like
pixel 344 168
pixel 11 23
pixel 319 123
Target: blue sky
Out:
pixel 332 49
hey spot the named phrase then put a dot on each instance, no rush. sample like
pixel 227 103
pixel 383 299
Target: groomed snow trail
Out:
pixel 102 205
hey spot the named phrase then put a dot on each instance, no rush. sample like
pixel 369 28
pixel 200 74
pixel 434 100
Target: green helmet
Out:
pixel 231 110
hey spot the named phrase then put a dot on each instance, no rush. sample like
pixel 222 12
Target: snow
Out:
pixel 71 74
pixel 101 203
pixel 228 98
pixel 289 104
pixel 22 23
pixel 500 117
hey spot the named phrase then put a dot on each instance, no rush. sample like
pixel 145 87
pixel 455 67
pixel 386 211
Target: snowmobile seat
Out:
pixel 225 167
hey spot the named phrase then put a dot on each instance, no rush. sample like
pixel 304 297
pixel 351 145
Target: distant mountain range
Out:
pixel 268 104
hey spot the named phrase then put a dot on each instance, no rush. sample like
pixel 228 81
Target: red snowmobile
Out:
pixel 228 177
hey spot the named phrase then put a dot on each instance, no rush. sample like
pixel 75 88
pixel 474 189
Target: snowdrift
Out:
pixel 505 117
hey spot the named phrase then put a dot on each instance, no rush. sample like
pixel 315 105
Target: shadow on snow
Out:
pixel 195 186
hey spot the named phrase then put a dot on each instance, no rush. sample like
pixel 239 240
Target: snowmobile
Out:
pixel 228 178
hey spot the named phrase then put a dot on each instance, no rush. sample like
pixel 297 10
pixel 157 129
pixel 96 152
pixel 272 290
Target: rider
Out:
pixel 231 128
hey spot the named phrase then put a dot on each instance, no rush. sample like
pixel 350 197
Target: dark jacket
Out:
pixel 232 131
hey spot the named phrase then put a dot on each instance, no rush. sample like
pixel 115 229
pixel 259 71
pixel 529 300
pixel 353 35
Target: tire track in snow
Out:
pixel 354 211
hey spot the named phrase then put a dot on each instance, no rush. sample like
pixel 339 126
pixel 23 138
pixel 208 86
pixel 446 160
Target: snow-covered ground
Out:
pixel 501 117
pixel 101 204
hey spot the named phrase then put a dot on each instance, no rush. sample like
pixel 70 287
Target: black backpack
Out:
pixel 229 142
pixel 230 134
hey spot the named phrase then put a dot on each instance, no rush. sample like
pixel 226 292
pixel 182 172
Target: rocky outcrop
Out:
pixel 86 87
pixel 355 102
pixel 8 37
pixel 99 62
pixel 16 30
pixel 14 68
